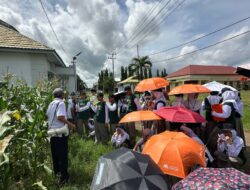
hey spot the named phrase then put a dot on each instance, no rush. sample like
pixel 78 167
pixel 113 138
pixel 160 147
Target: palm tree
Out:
pixel 138 64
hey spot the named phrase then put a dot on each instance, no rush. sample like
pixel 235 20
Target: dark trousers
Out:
pixel 59 150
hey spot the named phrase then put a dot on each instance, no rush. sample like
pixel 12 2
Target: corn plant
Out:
pixel 23 138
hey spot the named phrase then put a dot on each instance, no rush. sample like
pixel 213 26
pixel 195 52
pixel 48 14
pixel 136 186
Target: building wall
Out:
pixel 232 80
pixel 39 67
pixel 18 64
pixel 32 67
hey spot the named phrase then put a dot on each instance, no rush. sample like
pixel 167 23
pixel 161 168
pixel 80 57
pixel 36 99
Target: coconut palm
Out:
pixel 138 64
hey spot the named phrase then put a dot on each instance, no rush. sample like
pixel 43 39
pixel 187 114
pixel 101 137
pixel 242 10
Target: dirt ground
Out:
pixel 246 168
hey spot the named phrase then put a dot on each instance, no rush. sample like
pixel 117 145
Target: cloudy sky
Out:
pixel 99 27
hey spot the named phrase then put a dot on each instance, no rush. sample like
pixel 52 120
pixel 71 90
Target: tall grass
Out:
pixel 83 157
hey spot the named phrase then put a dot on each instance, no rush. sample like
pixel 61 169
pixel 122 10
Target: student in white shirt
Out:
pixel 71 107
pixel 159 101
pixel 229 109
pixel 229 146
pixel 57 118
pixel 120 137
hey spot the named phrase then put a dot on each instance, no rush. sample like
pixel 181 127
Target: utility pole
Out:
pixel 113 62
pixel 137 50
pixel 74 65
pixel 113 66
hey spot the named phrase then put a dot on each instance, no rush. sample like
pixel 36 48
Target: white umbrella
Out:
pixel 216 86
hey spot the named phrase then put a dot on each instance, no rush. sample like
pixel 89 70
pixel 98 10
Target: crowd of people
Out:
pixel 93 117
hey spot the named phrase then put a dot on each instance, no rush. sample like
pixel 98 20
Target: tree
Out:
pixel 150 73
pixel 130 72
pixel 125 73
pixel 145 74
pixel 106 81
pixel 165 72
pixel 122 73
pixel 157 73
pixel 162 73
pixel 138 64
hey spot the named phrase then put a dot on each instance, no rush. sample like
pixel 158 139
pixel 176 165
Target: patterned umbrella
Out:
pixel 214 179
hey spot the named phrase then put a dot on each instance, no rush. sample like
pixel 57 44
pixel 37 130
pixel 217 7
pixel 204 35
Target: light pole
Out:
pixel 74 64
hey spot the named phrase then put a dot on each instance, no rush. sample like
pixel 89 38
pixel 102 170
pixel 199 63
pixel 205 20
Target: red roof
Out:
pixel 204 70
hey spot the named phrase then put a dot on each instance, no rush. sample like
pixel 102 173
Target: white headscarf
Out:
pixel 230 96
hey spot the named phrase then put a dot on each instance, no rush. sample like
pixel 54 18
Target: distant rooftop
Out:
pixel 10 38
pixel 203 70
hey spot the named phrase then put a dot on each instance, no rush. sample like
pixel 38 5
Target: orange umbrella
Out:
pixel 175 153
pixel 151 84
pixel 188 89
pixel 139 116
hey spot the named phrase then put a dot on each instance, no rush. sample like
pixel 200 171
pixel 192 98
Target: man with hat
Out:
pixel 57 118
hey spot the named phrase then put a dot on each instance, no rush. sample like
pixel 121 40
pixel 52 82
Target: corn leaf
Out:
pixel 40 185
pixel 4 143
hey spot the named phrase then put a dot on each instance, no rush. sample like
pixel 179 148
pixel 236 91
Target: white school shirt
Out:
pixel 56 108
pixel 70 107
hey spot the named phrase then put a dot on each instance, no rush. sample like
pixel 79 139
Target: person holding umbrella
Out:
pixel 146 134
pixel 178 100
pixel 192 102
pixel 159 101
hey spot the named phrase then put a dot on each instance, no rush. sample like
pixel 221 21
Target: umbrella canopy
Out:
pixel 119 95
pixel 180 115
pixel 244 70
pixel 214 178
pixel 175 153
pixel 188 89
pixel 151 84
pixel 216 86
pixel 125 169
pixel 134 116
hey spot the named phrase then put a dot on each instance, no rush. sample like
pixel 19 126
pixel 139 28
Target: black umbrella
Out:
pixel 125 169
pixel 119 95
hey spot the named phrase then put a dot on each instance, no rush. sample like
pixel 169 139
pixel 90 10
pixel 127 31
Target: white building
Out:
pixel 31 60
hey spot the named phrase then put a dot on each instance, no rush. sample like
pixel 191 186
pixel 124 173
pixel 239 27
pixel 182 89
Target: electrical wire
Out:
pixel 206 47
pixel 150 21
pixel 51 26
pixel 201 37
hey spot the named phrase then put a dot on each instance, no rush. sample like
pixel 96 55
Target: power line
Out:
pixel 154 28
pixel 146 17
pixel 150 21
pixel 51 25
pixel 206 47
pixel 142 24
pixel 196 39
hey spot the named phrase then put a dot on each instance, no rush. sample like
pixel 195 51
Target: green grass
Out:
pixel 83 157
pixel 245 95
